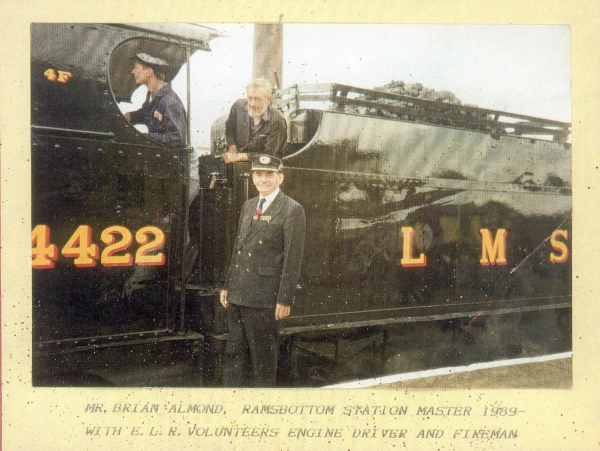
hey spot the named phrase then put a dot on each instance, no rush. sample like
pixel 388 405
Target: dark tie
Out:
pixel 258 211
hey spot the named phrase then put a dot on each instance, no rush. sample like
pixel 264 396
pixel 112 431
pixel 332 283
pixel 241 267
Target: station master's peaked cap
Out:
pixel 265 162
pixel 158 64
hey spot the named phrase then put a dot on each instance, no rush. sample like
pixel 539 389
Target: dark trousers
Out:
pixel 251 344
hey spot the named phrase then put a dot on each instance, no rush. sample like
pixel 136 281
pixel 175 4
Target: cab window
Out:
pixel 142 66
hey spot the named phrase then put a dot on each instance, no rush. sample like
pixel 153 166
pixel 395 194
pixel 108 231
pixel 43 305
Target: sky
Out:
pixel 521 69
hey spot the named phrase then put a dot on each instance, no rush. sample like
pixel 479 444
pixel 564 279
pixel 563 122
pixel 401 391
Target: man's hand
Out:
pixel 127 116
pixel 231 157
pixel 281 311
pixel 223 299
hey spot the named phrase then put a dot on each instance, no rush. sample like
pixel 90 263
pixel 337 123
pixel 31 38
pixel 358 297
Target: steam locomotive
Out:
pixel 416 211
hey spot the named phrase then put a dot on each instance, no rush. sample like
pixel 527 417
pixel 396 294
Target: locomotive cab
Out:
pixel 109 205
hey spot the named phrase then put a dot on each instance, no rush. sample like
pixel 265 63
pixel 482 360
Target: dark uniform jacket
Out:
pixel 267 256
pixel 271 139
pixel 172 129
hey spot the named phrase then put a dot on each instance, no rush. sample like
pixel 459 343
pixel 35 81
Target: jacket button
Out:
pixel 249 254
pixel 260 242
pixel 236 266
pixel 239 252
pixel 247 270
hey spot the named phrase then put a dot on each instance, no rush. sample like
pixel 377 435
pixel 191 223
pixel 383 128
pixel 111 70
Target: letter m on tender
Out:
pixel 493 253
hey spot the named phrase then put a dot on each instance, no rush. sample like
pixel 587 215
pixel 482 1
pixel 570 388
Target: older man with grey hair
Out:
pixel 254 126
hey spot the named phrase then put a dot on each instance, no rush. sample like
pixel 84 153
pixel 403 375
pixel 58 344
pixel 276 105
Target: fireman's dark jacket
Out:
pixel 272 138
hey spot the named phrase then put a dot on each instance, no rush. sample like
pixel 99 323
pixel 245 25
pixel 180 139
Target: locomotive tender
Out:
pixel 416 211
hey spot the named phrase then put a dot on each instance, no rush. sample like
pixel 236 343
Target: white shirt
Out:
pixel 268 200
